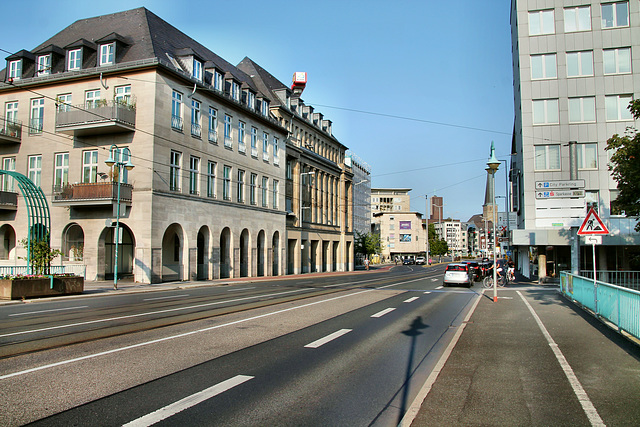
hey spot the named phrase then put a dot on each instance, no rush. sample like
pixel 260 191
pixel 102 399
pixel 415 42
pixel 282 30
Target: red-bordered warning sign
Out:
pixel 592 225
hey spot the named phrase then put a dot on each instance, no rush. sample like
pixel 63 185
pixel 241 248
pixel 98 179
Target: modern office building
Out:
pixel 436 209
pixel 319 181
pixel 361 193
pixel 206 197
pixel 576 68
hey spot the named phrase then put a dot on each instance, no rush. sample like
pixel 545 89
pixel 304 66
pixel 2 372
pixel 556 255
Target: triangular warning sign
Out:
pixel 592 225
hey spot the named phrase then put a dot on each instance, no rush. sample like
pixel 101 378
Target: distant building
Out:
pixel 390 200
pixel 436 209
pixel 361 193
pixel 453 232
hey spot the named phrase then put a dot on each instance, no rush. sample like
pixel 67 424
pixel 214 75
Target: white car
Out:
pixel 457 274
pixel 420 260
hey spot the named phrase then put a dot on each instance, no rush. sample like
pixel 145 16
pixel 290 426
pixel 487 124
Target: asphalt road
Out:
pixel 343 350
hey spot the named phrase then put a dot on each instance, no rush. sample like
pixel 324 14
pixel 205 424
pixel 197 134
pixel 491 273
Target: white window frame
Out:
pixel 217 81
pixel 582 109
pixel 122 95
pixel 196 117
pixel 176 111
pixel 276 151
pixel 43 64
pixel 226 183
pixel 235 91
pixel 213 125
pixel 549 154
pixel 573 21
pixel 615 14
pixel 251 100
pixel 276 190
pixel 265 107
pixel 584 58
pixel 175 171
pixel 550 112
pixel 242 148
pixel 197 69
pixel 265 192
pixel 74 60
pixel 90 166
pixel 11 112
pixel 63 102
pixel 546 64
pixel 228 131
pixel 253 182
pixel 15 69
pixel 194 175
pixel 265 146
pixel 587 156
pixel 61 170
pixel 107 53
pixel 36 118
pixel 619 58
pixel 240 193
pixel 91 98
pixel 211 179
pixel 34 169
pixel 254 142
pixel 542 19
pixel 8 182
pixel 619 103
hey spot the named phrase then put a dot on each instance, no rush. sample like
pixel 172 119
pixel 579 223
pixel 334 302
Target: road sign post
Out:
pixel 591 227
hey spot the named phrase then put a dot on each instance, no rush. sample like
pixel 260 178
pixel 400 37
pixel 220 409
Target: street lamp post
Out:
pixel 116 158
pixel 492 168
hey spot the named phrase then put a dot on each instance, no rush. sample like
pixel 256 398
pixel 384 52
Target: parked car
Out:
pixel 421 260
pixel 474 269
pixel 457 274
pixel 408 261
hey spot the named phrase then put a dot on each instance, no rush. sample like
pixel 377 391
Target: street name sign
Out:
pixel 592 225
pixel 565 184
pixel 559 194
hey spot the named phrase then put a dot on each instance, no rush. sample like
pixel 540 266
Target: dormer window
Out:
pixel 251 100
pixel 15 69
pixel 44 65
pixel 74 59
pixel 217 81
pixel 197 69
pixel 265 107
pixel 107 54
pixel 235 91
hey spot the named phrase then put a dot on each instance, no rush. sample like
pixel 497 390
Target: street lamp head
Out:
pixel 493 163
pixel 110 161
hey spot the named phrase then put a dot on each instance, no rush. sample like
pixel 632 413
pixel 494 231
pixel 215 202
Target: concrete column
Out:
pixel 542 265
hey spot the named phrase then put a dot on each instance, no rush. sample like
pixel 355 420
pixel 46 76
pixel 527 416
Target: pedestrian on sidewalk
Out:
pixel 366 263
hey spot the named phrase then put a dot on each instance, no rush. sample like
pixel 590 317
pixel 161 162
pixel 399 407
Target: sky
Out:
pixel 416 89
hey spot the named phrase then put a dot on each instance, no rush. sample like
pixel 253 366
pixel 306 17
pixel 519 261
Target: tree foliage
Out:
pixel 41 254
pixel 436 246
pixel 368 243
pixel 625 167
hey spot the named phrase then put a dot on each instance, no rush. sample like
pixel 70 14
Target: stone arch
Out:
pixel 125 252
pixel 173 246
pixel 203 256
pixel 245 249
pixel 260 254
pixel 226 247
pixel 73 242
pixel 275 254
pixel 8 238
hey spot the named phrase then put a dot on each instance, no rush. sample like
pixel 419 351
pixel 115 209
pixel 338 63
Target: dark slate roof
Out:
pixel 264 80
pixel 144 35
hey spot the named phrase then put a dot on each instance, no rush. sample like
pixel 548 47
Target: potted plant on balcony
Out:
pixel 12 129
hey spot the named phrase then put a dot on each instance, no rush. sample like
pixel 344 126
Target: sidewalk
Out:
pixel 505 371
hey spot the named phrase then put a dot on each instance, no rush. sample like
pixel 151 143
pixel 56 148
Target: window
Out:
pixel 264 107
pixel 217 81
pixel 614 209
pixel 577 19
pixel 289 170
pixel 241 131
pixel 15 69
pixel 616 107
pixel 213 125
pixel 582 109
pixel 587 156
pixel 580 64
pixel 545 111
pixel 617 61
pixel 8 182
pixel 265 146
pixel 75 60
pixel 547 157
pixel 90 166
pixel 91 98
pixel 276 153
pixel 251 100
pixel 226 183
pixel 176 111
pixel 37 115
pixel 122 95
pixel 107 53
pixel 252 188
pixel 276 184
pixel 61 170
pixel 194 175
pixel 543 66
pixel 240 186
pixel 254 142
pixel 174 171
pixel 35 169
pixel 227 131
pixel 44 65
pixel 265 187
pixel 195 119
pixel 211 179
pixel 235 91
pixel 63 102
pixel 592 199
pixel 615 15
pixel 197 69
pixel 541 22
pixel 11 112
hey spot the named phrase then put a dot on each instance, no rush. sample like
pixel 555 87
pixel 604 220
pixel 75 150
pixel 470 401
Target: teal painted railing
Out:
pixel 13 270
pixel 618 305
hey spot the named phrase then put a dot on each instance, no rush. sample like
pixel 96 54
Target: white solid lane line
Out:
pixel 411 299
pixel 328 338
pixel 169 297
pixel 440 287
pixel 383 312
pixel 240 289
pixel 428 292
pixel 49 311
pixel 188 402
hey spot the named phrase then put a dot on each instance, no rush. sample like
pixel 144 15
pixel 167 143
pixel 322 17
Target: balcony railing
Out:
pixel 102 117
pixel 8 200
pixel 213 136
pixel 93 193
pixel 265 156
pixel 176 123
pixel 227 142
pixel 196 130
pixel 35 125
pixel 242 148
pixel 10 131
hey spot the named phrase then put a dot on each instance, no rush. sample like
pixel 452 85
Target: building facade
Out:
pixel 361 193
pixel 576 68
pixel 319 182
pixel 200 203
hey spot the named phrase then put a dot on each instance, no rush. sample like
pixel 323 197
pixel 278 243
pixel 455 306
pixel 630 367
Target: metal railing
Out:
pixel 618 305
pixel 15 270
pixel 626 279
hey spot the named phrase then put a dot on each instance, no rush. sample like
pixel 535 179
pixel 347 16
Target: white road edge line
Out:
pixel 169 297
pixel 48 311
pixel 412 299
pixel 411 413
pixel 440 287
pixel 328 338
pixel 427 292
pixel 188 402
pixel 383 312
pixel 587 406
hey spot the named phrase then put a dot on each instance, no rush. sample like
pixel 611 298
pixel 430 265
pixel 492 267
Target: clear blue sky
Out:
pixel 441 69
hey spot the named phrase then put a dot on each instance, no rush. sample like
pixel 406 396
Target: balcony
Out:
pixel 92 194
pixel 103 117
pixel 8 201
pixel 10 132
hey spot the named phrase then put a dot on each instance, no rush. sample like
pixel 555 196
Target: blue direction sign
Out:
pixel 559 185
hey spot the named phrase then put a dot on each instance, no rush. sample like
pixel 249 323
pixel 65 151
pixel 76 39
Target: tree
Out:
pixel 368 243
pixel 41 253
pixel 625 167
pixel 439 247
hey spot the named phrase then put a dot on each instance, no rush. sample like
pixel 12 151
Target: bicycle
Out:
pixel 487 282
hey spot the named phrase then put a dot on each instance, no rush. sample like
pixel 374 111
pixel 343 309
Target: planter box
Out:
pixel 40 287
